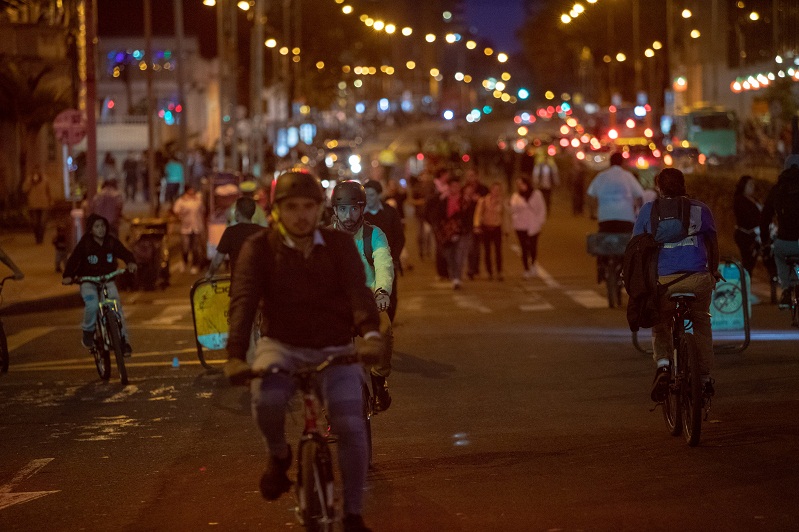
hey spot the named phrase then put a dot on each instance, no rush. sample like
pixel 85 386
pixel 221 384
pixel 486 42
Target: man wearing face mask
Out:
pixel 349 204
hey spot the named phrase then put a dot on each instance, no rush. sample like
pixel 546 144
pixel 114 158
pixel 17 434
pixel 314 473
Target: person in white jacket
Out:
pixel 528 213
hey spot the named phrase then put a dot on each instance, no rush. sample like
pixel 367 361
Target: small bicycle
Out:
pixel 108 330
pixel 683 406
pixel 315 489
pixel 3 340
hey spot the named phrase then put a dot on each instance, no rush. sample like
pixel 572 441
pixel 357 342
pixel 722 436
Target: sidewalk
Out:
pixel 41 289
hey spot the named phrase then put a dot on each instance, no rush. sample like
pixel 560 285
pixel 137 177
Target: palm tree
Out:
pixel 28 102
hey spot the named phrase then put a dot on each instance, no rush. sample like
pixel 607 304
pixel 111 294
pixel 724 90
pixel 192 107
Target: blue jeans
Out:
pixel 91 301
pixel 341 387
pixel 455 256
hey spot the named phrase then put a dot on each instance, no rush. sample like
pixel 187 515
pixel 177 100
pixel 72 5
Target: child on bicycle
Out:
pixel 97 254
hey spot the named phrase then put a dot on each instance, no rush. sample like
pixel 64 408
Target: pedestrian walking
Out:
pixel 130 169
pixel 109 204
pixel 452 233
pixel 546 178
pixel 528 213
pixel 189 210
pixel 37 190
pixel 488 218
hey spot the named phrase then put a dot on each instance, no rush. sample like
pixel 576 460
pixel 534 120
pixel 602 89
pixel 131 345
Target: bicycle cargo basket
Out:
pixel 607 243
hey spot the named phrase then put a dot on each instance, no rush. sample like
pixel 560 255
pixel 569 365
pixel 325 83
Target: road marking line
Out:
pixel 17 340
pixel 587 298
pixel 169 315
pixel 10 499
pixel 126 392
pixel 37 365
pixel 471 303
pixel 535 307
pixel 548 279
pixel 162 364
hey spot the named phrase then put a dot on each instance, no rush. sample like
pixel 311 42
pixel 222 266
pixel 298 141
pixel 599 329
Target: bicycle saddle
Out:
pixel 688 296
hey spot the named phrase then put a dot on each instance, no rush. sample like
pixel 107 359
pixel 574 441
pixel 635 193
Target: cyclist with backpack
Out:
pixel 314 294
pixel 783 202
pixel 687 261
pixel 349 204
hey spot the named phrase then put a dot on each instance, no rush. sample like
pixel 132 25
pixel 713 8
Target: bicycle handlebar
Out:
pixel 333 360
pixel 98 279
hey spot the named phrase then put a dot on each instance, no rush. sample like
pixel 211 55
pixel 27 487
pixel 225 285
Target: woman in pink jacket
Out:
pixel 528 213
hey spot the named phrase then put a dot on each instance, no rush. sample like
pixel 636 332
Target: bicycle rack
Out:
pixel 214 282
pixel 723 348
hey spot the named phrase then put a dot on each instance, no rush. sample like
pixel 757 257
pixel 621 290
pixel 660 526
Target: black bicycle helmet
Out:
pixel 298 183
pixel 349 193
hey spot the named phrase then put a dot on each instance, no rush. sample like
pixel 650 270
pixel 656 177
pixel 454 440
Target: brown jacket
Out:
pixel 318 301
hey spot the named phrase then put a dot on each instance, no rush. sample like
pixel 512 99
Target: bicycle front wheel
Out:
pixel 315 489
pixel 3 350
pixel 115 334
pixel 691 391
pixel 102 358
pixel 672 413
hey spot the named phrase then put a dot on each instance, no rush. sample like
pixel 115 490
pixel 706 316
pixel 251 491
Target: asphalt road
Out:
pixel 519 405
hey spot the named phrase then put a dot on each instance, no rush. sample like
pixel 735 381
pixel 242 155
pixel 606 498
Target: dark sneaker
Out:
pixel 660 386
pixel 127 350
pixel 382 397
pixel 354 523
pixel 707 388
pixel 785 299
pixel 88 339
pixel 274 481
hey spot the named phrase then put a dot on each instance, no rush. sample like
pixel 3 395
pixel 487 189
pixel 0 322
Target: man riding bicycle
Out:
pixel 349 201
pixel 783 201
pixel 692 263
pixel 617 194
pixel 314 294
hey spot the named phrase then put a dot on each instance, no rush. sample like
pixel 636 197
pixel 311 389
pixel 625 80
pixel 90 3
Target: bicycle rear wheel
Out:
pixel 794 307
pixel 672 414
pixel 315 488
pixel 691 391
pixel 612 280
pixel 3 350
pixel 367 417
pixel 114 333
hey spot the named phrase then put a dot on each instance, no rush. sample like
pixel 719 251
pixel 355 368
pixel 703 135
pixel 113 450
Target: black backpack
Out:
pixel 670 219
pixel 640 271
pixel 670 222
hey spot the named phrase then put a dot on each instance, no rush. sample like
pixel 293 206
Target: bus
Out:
pixel 712 130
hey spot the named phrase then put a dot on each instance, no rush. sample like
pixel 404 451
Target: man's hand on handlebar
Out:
pixel 132 267
pixel 237 371
pixel 382 300
pixel 66 280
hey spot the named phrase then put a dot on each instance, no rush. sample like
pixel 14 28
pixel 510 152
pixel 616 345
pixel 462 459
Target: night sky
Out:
pixel 496 20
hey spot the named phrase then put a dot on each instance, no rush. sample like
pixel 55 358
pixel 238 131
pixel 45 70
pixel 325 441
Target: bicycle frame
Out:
pixel 316 502
pixel 108 309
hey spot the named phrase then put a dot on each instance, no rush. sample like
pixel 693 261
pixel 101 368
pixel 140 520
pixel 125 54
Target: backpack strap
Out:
pixel 685 213
pixel 686 275
pixel 654 216
pixel 368 250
